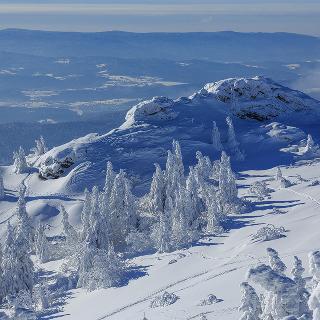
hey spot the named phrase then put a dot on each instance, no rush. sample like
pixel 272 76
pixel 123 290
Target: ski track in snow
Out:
pixel 148 297
pixel 304 195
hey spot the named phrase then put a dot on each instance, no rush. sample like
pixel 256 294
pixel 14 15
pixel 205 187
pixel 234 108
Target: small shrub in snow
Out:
pixel 166 299
pixel 314 183
pixel 211 299
pixel 285 183
pixel 260 190
pixel 277 211
pixel 269 232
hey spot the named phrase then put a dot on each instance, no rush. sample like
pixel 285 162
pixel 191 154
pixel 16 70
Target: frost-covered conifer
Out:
pixel 216 139
pixel 163 241
pixel 214 216
pixel 17 266
pixel 41 244
pixel 24 225
pixel 40 148
pixel 278 176
pixel 174 173
pixel 182 228
pixel 227 190
pixel 233 144
pixel 1 187
pixel 2 289
pixel 157 194
pixel 203 170
pixel 122 208
pixel 20 163
pixel 85 213
pixel 250 304
pixel 310 146
pixel 314 300
pixel 314 267
pixel 281 298
pixel 314 303
pixel 303 294
pixel 100 268
pixel 179 161
pixel 275 262
pixel 193 189
pixel 67 229
pixel 110 175
pixel 98 231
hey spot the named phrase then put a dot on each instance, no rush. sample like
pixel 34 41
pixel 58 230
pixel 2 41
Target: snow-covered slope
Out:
pixel 150 127
pixel 276 135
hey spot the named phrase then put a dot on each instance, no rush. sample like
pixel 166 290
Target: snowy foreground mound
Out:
pixel 150 127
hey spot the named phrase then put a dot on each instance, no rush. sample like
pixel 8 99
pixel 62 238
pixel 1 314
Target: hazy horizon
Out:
pixel 293 16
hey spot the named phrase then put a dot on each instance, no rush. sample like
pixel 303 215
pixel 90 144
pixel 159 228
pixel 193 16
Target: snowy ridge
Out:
pixel 150 127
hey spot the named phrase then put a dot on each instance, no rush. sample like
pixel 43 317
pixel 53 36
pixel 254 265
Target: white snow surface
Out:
pixel 216 265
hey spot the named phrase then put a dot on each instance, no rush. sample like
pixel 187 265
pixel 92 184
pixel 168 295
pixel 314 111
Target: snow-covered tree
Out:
pixel 216 139
pixel 1 187
pixel 98 228
pixel 250 304
pixel 214 214
pixel 85 213
pixel 310 146
pixel 227 190
pixel 110 176
pixel 174 173
pixel 42 247
pixel 278 175
pixel 122 209
pixel 233 143
pixel 314 300
pixel 163 241
pixel 182 229
pixel 193 188
pixel 203 170
pixel 40 147
pixel 260 190
pixel 20 163
pixel 314 267
pixel 67 229
pixel 314 303
pixel 303 294
pixel 275 262
pixel 18 272
pixel 281 298
pixel 24 224
pixel 157 194
pixel 100 268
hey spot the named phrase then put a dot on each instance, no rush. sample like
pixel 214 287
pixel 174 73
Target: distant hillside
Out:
pixel 218 46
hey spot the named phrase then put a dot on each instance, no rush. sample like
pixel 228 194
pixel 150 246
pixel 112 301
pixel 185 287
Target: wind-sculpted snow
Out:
pixel 150 127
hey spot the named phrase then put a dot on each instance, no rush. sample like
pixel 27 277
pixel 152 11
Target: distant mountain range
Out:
pixel 216 46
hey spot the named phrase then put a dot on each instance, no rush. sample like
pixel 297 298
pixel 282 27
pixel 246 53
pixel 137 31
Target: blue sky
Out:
pixel 300 16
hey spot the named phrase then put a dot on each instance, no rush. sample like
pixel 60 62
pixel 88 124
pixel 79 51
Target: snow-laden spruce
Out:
pixel 20 163
pixel 2 194
pixel 216 138
pixel 40 147
pixel 282 296
pixel 250 304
